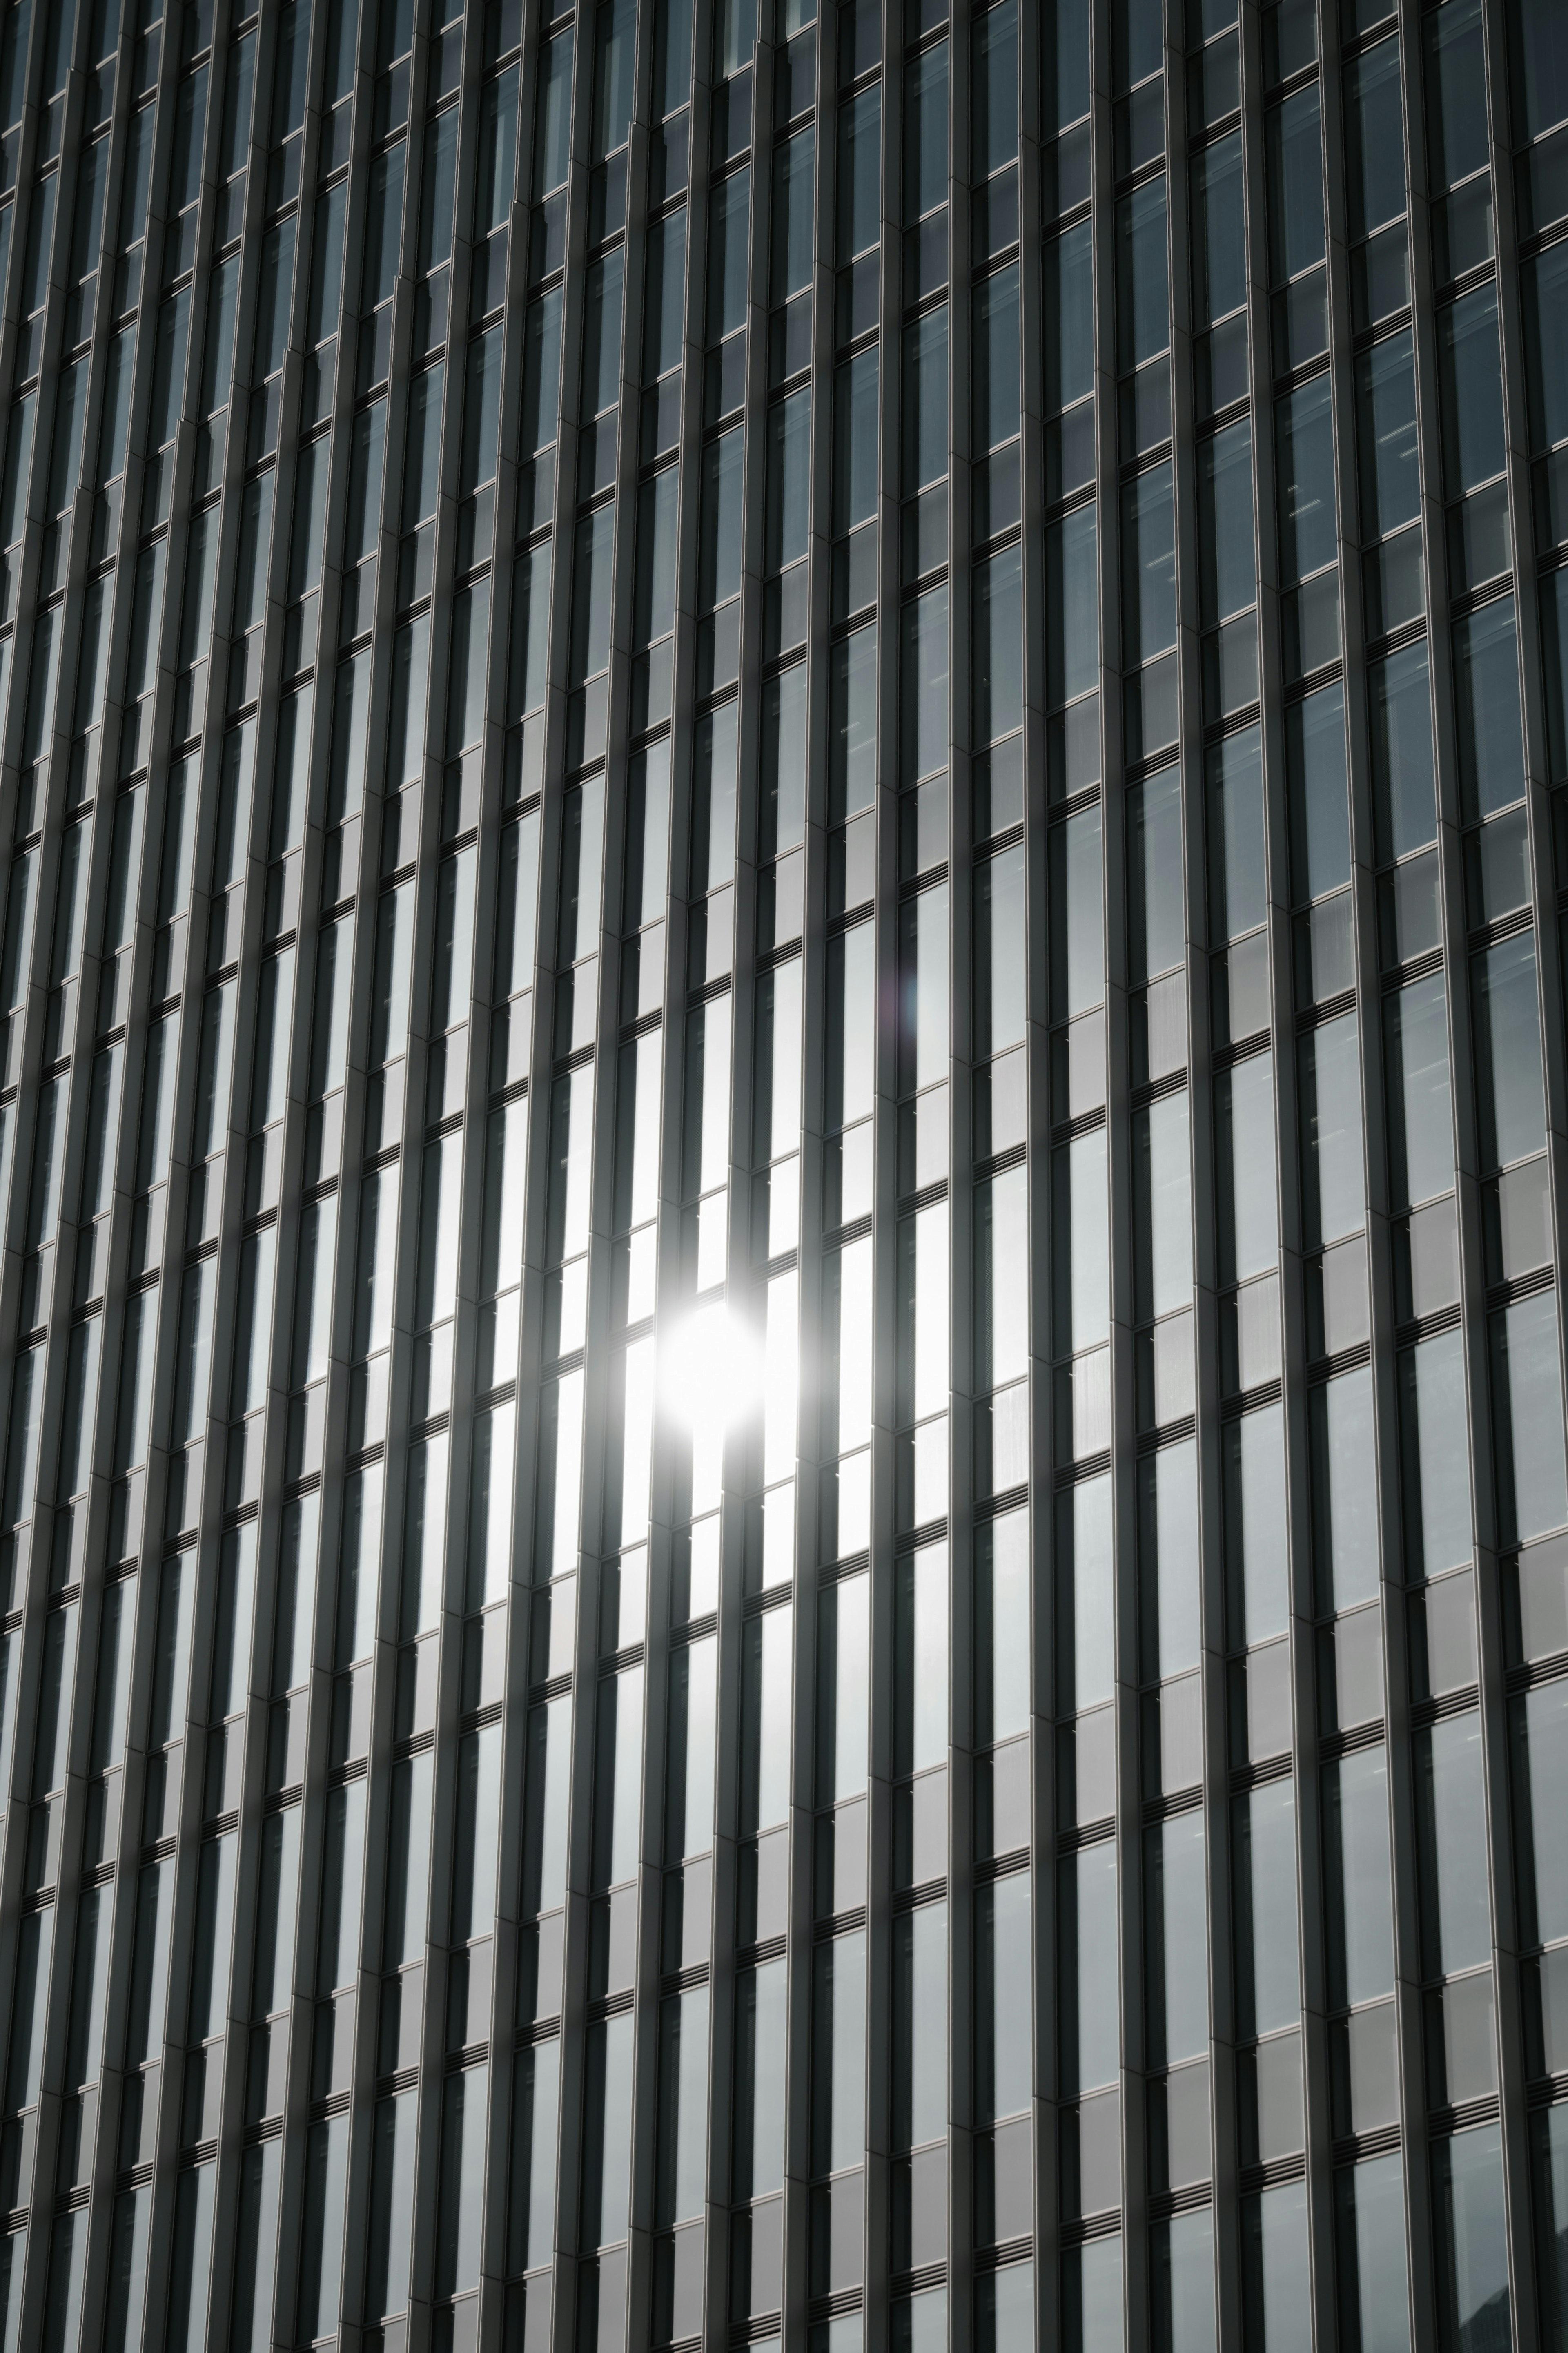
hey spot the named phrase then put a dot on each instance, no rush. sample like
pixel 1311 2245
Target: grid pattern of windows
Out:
pixel 783 1512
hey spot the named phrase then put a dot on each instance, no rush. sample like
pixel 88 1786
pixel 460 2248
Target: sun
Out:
pixel 711 1369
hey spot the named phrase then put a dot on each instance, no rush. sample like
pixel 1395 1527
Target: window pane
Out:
pixel 1399 703
pixel 1527 1420
pixel 1360 1928
pixel 1435 1451
pixel 1305 463
pixel 1344 1490
pixel 1370 2232
pixel 1004 2002
pixel 1510 1113
pixel 1142 291
pixel 1471 375
pixel 1374 138
pixel 1227 568
pixel 1386 427
pixel 1420 1112
pixel 1451 1844
pixel 1175 1940
pixel 1471 2235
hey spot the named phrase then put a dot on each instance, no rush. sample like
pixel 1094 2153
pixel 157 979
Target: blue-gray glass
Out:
pixel 924 710
pixel 1370 2232
pixel 1237 860
pixel 1175 1940
pixel 653 607
pixel 1399 701
pixel 1420 1109
pixel 1181 2282
pixel 1319 794
pixel 1214 82
pixel 1541 185
pixel 1065 47
pixel 1295 174
pixel 601 337
pixel 925 427
pixel 671 56
pixel 998 647
pixel 1497 869
pixel 595 542
pixel 920 2026
pixel 189 124
pixel 794 191
pixel 1509 1103
pixel 1435 1483
pixel 759 2111
pixel 1002 2041
pixel 1219 230
pixel 925 132
pixel 1136 33
pixel 1387 449
pixel 1161 1202
pixel 1142 288
pixel 789 481
pixel 728 215
pixel 1555 669
pixel 1155 901
pixel 1226 567
pixel 995 360
pixel 613 75
pixel 1254 1455
pixel 1358 1922
pixel 859 38
pixel 719 555
pixel 1304 464
pixel 1072 645
pixel 1080 1263
pixel 1458 131
pixel 1527 1415
pixel 541 372
pixel 1069 316
pixel 1471 2238
pixel 422 459
pixel 1149 566
pixel 1140 128
pixel 1545 320
pixel 606 2133
pixel 1485 709
pixel 1088 2043
pixel 1168 1632
pixel 1469 374
pixel 1549 2174
pixel 1078 955
pixel 795 77
pixel 1451 1846
pixel 681 2161
pixel 663 295
pixel 838 2048
pixel 855 473
pixel 1375 139
pixel 1275 2269
pixel 860 173
pixel 1538 79
pixel 994 91
pixel 1084 1613
pixel 1334 1191
pixel 1539 1727
pixel 1267 1970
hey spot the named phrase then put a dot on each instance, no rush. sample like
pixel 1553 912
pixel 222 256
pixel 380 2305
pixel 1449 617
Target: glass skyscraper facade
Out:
pixel 784 1120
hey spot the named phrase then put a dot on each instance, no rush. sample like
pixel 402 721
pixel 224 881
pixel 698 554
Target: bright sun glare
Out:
pixel 710 1368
